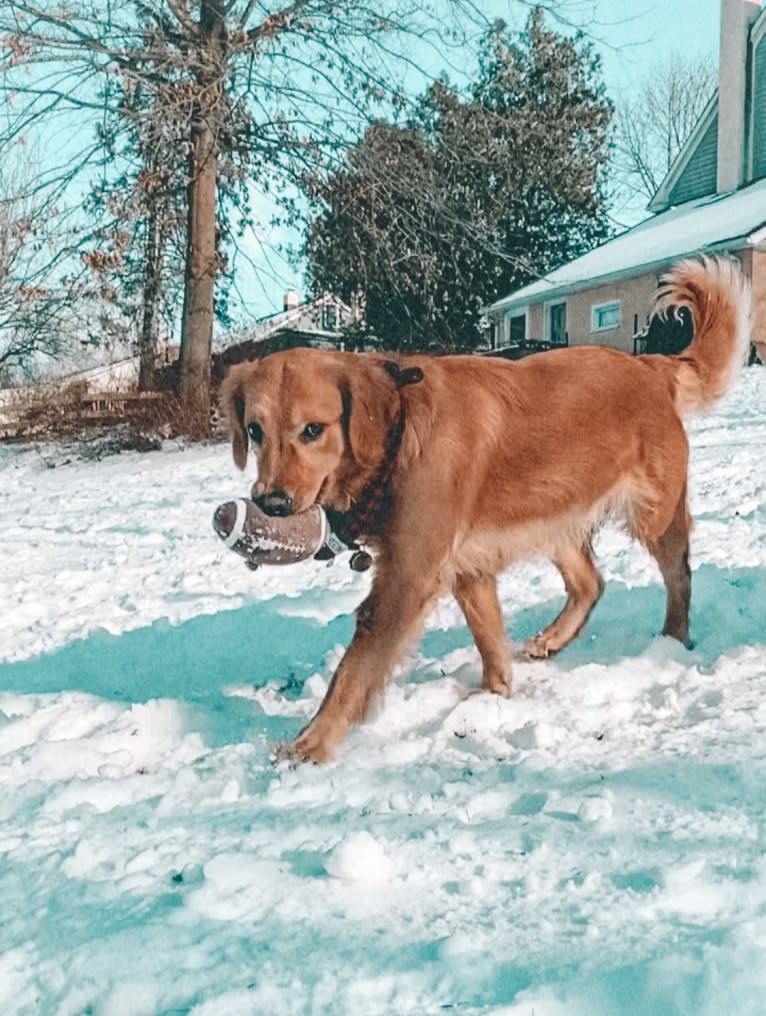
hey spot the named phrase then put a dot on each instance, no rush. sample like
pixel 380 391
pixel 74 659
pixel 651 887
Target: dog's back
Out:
pixel 554 442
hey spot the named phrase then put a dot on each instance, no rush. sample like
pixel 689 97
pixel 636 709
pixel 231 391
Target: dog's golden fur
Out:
pixel 499 461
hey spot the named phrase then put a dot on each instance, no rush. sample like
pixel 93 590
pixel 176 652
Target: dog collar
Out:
pixel 333 545
pixel 368 514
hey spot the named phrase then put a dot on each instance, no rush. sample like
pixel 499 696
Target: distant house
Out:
pixel 713 200
pixel 117 376
pixel 315 323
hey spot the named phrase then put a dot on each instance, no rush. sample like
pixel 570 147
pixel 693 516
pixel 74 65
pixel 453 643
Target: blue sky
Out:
pixel 631 37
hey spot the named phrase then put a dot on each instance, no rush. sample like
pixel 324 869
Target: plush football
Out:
pixel 268 539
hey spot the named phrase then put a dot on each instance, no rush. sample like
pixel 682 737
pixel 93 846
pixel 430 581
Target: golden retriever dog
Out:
pixel 450 468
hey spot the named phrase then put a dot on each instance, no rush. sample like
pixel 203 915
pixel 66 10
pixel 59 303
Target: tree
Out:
pixel 41 305
pixel 651 127
pixel 140 198
pixel 267 88
pixel 427 223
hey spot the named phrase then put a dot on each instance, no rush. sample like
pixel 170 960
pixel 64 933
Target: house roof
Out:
pixel 266 326
pixel 713 223
pixel 661 199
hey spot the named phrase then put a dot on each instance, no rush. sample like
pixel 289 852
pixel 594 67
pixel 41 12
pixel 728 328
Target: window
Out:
pixel 517 327
pixel 604 316
pixel 556 323
pixel 329 317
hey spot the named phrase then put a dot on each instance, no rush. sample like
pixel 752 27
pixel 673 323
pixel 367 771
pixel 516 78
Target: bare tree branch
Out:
pixel 652 126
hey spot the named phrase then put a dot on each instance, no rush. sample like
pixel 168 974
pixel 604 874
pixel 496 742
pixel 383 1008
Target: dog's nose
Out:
pixel 275 502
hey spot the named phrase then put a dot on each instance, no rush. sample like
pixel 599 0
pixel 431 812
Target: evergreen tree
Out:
pixel 427 223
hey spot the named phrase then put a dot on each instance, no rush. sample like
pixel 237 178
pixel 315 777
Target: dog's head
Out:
pixel 317 422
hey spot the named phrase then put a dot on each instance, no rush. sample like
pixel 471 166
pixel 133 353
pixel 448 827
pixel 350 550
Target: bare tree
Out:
pixel 651 127
pixel 38 298
pixel 140 197
pixel 259 90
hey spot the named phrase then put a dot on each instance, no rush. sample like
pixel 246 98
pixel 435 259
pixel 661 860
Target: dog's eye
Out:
pixel 255 431
pixel 312 431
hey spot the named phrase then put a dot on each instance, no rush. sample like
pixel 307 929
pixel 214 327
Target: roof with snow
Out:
pixel 299 317
pixel 717 222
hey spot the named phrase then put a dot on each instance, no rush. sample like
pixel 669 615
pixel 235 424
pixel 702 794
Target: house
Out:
pixel 713 200
pixel 316 323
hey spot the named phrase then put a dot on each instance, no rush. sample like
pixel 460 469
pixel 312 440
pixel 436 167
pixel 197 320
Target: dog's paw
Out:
pixel 282 751
pixel 503 690
pixel 306 748
pixel 498 687
pixel 536 648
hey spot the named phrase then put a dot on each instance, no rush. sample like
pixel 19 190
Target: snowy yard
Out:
pixel 594 845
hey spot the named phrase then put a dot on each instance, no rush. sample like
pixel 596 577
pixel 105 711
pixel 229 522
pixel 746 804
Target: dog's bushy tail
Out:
pixel 717 296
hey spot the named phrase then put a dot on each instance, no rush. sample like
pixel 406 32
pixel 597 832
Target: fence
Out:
pixel 54 411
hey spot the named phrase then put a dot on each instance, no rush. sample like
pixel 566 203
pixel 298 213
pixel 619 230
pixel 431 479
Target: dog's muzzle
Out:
pixel 275 503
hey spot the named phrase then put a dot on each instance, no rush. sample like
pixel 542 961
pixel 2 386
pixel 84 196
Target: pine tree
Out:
pixel 428 222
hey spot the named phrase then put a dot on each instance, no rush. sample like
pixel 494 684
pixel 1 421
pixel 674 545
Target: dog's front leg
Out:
pixel 388 621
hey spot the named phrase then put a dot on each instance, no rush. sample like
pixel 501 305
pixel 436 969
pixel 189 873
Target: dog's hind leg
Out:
pixel 477 596
pixel 671 552
pixel 584 586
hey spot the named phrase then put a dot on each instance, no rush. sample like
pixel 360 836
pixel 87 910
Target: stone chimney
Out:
pixel 736 18
pixel 292 300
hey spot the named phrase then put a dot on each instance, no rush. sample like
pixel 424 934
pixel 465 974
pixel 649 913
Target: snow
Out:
pixel 593 845
pixel 703 224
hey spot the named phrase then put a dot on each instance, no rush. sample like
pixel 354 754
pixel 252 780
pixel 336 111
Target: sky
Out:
pixel 631 38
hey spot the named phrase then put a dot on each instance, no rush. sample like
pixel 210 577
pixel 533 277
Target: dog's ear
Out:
pixel 233 405
pixel 370 405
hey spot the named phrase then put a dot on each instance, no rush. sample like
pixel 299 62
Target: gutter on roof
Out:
pixel 578 285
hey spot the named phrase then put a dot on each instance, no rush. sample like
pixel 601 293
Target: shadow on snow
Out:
pixel 197 660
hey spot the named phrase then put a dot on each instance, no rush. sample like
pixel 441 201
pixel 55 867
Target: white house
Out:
pixel 712 200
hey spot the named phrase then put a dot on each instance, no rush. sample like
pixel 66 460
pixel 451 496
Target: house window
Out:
pixel 517 327
pixel 604 316
pixel 556 323
pixel 329 317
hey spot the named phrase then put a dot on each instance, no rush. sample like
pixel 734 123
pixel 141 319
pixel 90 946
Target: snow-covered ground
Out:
pixel 594 845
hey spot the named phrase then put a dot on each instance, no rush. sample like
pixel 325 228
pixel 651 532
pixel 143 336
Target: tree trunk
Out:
pixel 200 272
pixel 151 302
pixel 201 253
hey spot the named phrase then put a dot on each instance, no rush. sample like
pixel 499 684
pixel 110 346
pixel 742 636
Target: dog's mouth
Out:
pixel 337 500
pixel 276 503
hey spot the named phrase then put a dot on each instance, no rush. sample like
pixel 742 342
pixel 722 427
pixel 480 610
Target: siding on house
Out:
pixel 699 175
pixel 759 107
pixel 636 296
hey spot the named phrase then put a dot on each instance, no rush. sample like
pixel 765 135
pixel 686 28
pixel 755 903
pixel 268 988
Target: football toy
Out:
pixel 279 539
